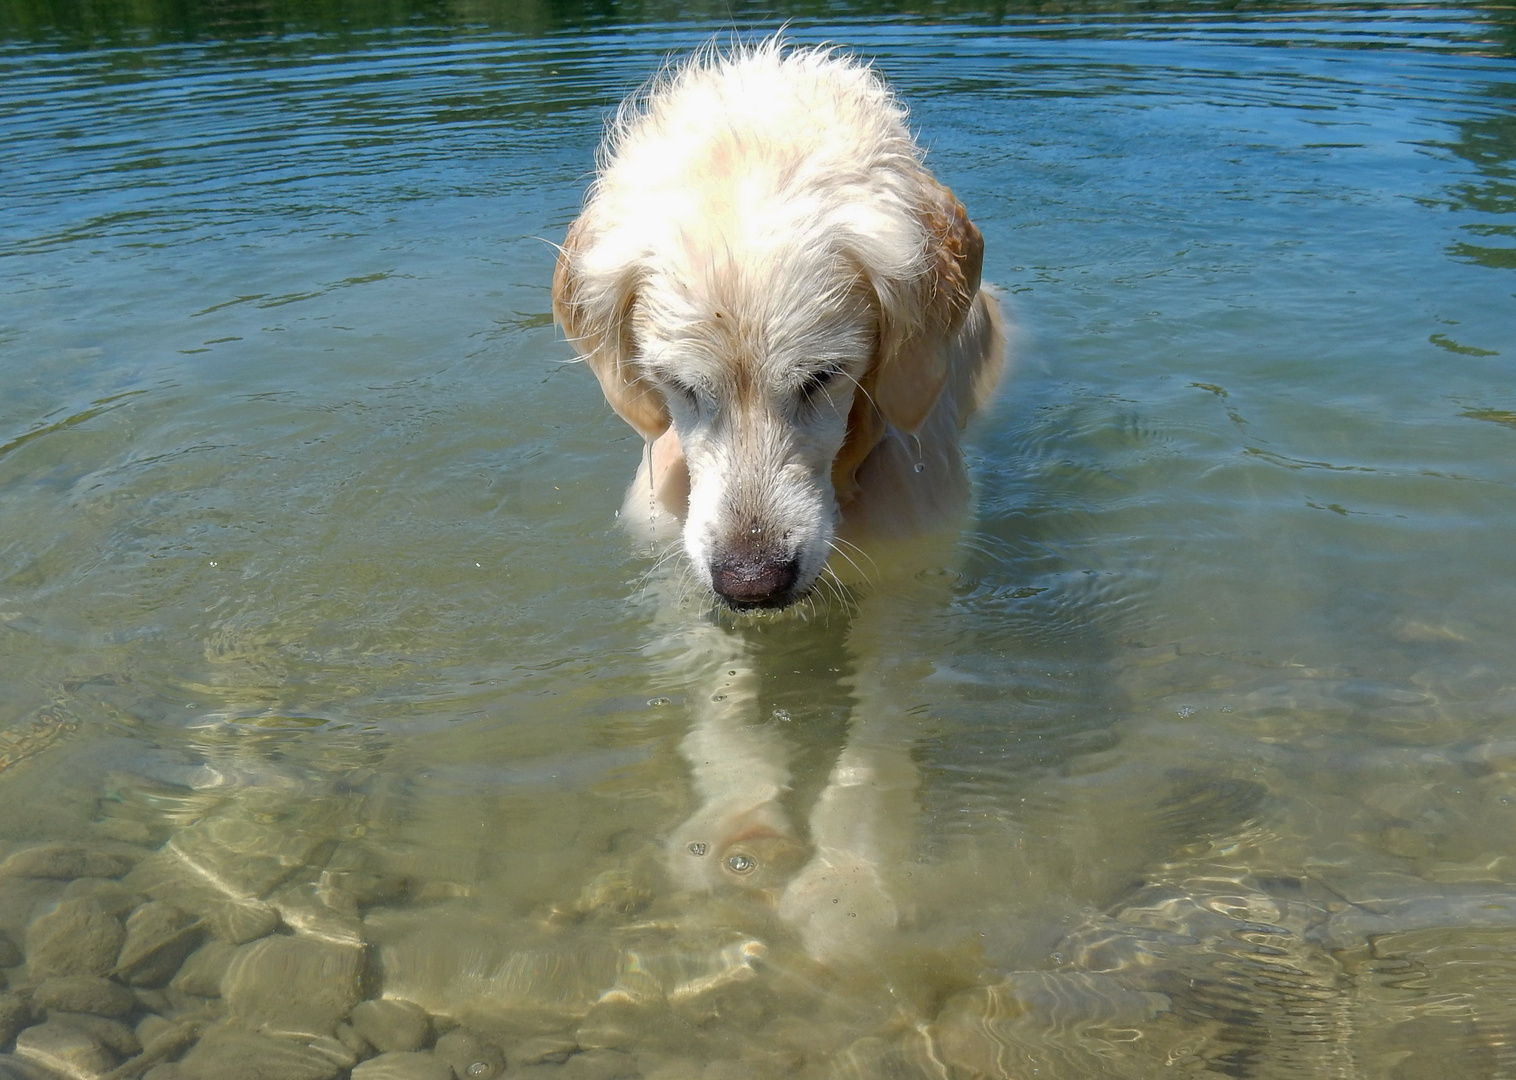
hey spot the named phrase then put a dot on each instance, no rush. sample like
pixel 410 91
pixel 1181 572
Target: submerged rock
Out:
pixel 159 936
pixel 404 1066
pixel 85 994
pixel 292 985
pixel 77 937
pixel 227 1053
pixel 392 1025
pixel 204 969
pixel 470 1055
pixel 241 921
pixel 14 1015
pixel 66 1049
pixel 66 862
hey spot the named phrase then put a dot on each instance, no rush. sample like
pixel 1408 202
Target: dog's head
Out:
pixel 779 310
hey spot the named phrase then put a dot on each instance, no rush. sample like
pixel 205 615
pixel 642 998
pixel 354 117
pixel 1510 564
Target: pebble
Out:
pixel 21 898
pixel 612 1025
pixel 67 1049
pixel 159 935
pixel 166 1042
pixel 167 1071
pixel 113 897
pixel 392 1025
pixel 14 1015
pixel 404 1066
pixel 65 862
pixel 241 921
pixel 470 1056
pixel 226 1053
pixel 554 1049
pixel 112 1033
pixel 202 971
pixel 14 1069
pixel 76 938
pixel 348 1036
pixel 291 985
pixel 85 994
pixel 599 1065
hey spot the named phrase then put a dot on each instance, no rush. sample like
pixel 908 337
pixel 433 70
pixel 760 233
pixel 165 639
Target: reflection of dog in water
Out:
pixel 778 296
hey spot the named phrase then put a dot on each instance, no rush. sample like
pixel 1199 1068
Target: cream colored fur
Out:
pixel 776 294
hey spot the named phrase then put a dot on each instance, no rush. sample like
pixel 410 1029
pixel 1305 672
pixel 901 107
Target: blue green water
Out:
pixel 301 505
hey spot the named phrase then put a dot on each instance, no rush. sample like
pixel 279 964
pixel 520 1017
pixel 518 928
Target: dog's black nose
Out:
pixel 753 581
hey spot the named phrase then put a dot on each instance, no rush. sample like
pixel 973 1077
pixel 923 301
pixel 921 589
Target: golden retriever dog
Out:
pixel 784 303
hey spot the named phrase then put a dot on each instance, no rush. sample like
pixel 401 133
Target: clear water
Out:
pixel 307 526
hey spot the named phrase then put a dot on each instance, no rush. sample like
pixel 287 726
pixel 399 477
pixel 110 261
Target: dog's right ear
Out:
pixel 595 312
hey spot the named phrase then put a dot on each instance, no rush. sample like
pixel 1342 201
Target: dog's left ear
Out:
pixel 918 323
pixel 596 315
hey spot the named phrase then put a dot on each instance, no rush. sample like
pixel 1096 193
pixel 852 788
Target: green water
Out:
pixel 307 526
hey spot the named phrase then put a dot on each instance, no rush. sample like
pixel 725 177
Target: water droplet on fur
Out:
pixel 658 702
pixel 741 864
pixel 697 849
pixel 921 466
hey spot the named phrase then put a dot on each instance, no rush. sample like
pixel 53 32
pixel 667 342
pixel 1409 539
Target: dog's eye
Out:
pixel 816 383
pixel 681 391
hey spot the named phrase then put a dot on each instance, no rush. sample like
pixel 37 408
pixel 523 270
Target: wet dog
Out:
pixel 781 299
pixel 784 303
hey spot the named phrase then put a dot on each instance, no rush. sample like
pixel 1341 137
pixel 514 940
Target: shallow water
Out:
pixel 310 579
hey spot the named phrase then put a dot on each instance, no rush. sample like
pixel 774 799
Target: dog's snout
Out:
pixel 753 580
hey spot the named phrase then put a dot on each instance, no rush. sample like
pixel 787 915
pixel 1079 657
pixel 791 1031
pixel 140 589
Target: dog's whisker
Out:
pixel 850 560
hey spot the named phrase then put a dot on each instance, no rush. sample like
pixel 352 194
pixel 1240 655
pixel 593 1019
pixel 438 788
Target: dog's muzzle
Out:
pixel 754 580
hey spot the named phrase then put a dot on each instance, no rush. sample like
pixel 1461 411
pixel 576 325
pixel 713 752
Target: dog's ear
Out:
pixel 596 317
pixel 865 427
pixel 919 321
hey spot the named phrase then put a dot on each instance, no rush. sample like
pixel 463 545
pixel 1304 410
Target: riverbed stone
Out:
pixel 227 1053
pixel 159 935
pixel 202 971
pixel 112 1033
pixel 292 985
pixel 14 1068
pixel 112 897
pixel 235 855
pixel 167 1042
pixel 392 1025
pixel 23 898
pixel 404 1066
pixel 66 1049
pixel 470 1055
pixel 66 862
pixel 348 1036
pixel 169 1070
pixel 241 921
pixel 10 952
pixel 599 1065
pixel 309 910
pixel 85 994
pixel 14 1015
pixel 540 1049
pixel 77 937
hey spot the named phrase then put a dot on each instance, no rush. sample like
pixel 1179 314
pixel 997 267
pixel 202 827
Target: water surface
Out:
pixel 307 540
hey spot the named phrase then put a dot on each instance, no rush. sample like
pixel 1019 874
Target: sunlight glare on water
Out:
pixel 335 707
